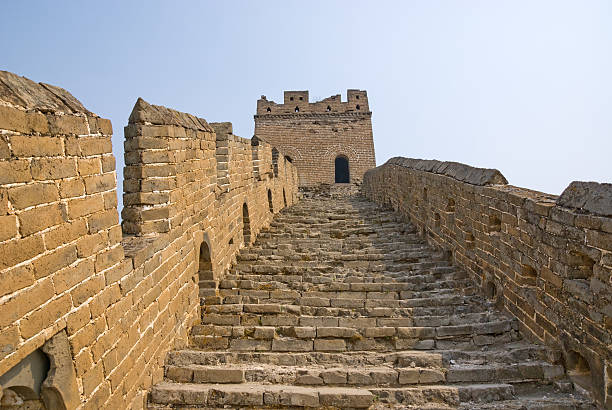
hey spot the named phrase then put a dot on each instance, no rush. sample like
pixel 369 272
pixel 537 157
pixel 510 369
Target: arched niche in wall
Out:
pixel 246 224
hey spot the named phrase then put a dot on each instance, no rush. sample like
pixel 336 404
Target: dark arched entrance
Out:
pixel 205 263
pixel 246 224
pixel 342 170
pixel 270 201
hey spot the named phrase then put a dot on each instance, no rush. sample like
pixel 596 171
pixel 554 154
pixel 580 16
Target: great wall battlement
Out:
pixel 546 260
pixel 115 300
pixel 200 298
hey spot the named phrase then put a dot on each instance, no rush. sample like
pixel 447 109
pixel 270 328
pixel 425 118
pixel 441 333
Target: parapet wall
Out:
pixel 120 299
pixel 546 260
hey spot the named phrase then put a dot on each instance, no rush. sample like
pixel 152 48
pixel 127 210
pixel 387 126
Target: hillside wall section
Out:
pixel 546 260
pixel 123 297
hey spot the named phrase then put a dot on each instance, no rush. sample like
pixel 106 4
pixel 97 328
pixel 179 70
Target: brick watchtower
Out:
pixel 329 141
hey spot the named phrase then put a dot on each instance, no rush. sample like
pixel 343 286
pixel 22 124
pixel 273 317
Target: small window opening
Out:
pixel 357 97
pixel 270 206
pixel 470 241
pixel 490 290
pixel 450 206
pixel 328 108
pixel 580 265
pixel 231 241
pixel 437 220
pixel 268 109
pixel 297 109
pixel 284 198
pixel 246 224
pixel 528 275
pixel 290 98
pixel 204 263
pixel 494 224
pixel 301 98
pixel 424 194
pixel 357 106
pixel 579 370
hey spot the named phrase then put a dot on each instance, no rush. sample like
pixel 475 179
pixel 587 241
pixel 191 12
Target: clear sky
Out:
pixel 522 86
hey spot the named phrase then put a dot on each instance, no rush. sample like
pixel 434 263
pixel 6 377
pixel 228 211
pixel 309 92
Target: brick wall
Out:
pixel 123 298
pixel 318 133
pixel 546 260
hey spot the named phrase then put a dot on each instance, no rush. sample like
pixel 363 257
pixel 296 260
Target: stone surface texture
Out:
pixel 546 260
pixel 341 303
pixel 124 297
pixel 318 133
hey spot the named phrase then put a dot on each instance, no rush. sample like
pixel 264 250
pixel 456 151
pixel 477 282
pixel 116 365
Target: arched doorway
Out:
pixel 205 263
pixel 246 224
pixel 270 201
pixel 342 170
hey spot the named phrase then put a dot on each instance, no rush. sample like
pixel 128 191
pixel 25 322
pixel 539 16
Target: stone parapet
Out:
pixel 544 259
pixel 123 297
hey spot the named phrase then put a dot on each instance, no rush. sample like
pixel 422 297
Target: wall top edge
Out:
pixel 145 113
pixel 461 172
pixel 25 94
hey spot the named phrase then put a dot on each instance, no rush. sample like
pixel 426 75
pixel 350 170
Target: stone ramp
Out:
pixel 341 304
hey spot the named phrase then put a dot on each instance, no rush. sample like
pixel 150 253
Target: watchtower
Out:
pixel 329 141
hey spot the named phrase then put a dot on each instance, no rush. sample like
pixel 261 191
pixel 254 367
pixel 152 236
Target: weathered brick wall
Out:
pixel 318 133
pixel 546 260
pixel 123 298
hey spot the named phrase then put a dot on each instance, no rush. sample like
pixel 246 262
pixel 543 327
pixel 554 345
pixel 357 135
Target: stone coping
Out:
pixel 461 172
pixel 23 93
pixel 588 197
pixel 145 113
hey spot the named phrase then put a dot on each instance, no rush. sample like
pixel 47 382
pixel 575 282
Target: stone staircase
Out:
pixel 341 304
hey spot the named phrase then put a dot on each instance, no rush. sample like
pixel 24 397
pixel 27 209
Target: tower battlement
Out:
pixel 297 102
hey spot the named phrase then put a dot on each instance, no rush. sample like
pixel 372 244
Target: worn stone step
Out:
pixel 313 375
pixel 258 395
pixel 518 372
pixel 378 313
pixel 355 328
pixel 187 357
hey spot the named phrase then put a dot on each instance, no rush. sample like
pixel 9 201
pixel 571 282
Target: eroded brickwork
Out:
pixel 547 264
pixel 313 135
pixel 123 298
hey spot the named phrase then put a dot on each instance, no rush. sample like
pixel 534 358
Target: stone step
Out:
pixel 411 358
pixel 258 395
pixel 339 339
pixel 367 290
pixel 274 395
pixel 352 328
pixel 313 375
pixel 316 374
pixel 452 279
pixel 375 309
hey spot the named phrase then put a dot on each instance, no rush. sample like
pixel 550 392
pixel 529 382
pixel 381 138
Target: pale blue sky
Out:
pixel 522 86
